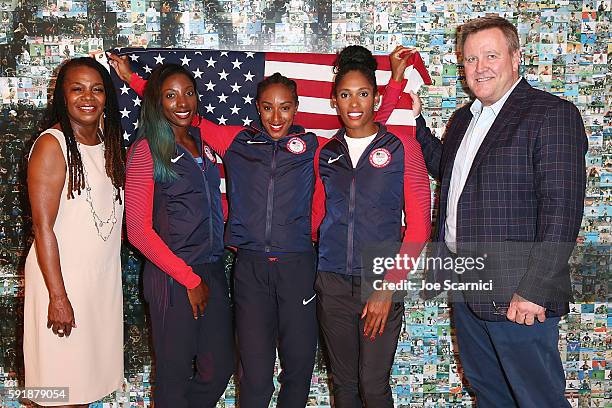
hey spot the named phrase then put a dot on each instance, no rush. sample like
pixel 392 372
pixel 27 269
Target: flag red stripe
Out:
pixel 323 59
pixel 317 120
pixel 314 89
pixel 405 102
pixel 319 89
pixel 417 61
pixel 305 58
pixel 328 59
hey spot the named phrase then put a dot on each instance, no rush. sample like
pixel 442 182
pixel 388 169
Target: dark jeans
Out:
pixel 509 364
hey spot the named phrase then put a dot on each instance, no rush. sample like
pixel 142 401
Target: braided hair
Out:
pixel 114 154
pixel 355 58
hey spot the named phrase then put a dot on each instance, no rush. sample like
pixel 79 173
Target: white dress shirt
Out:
pixel 482 120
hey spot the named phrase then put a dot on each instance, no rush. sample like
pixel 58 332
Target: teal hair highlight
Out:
pixel 157 131
pixel 154 127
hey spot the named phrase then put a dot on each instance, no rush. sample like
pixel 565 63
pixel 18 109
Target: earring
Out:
pixel 101 121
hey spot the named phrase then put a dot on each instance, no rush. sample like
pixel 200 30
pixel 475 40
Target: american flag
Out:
pixel 227 84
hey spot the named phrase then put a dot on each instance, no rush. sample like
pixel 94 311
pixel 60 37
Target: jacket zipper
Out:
pixel 208 198
pixel 210 214
pixel 270 203
pixel 351 228
pixel 351 215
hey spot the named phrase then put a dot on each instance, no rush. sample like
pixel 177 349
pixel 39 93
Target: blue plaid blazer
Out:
pixel 523 199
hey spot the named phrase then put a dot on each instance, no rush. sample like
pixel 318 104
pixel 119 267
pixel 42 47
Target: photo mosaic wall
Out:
pixel 566 50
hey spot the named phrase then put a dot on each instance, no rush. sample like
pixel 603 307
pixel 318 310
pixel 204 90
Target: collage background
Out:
pixel 567 50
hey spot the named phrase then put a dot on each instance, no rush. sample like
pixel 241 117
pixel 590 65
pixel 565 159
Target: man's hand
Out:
pixel 522 311
pixel 417 105
pixel 376 311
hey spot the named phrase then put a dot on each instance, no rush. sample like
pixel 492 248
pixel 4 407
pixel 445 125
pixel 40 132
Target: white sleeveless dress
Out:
pixel 90 361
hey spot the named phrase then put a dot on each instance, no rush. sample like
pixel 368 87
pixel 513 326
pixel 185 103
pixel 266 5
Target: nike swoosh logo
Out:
pixel 177 158
pixel 334 159
pixel 254 142
pixel 305 302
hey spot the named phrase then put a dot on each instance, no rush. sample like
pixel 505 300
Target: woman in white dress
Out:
pixel 73 317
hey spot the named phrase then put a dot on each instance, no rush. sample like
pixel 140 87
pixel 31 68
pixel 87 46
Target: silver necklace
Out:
pixel 99 222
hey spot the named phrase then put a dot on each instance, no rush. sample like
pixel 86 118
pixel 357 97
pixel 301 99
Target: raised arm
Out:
pixel 137 83
pixel 431 146
pixel 217 136
pixel 417 206
pixel 391 96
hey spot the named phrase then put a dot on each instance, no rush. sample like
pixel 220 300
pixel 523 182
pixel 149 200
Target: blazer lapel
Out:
pixel 503 125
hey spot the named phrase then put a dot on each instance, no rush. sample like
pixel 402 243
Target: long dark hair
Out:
pixel 153 124
pixel 114 154
pixel 355 58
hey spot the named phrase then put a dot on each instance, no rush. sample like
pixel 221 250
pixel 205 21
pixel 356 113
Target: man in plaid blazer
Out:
pixel 512 176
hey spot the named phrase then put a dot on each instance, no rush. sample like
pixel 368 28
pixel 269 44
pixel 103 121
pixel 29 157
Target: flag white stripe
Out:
pixel 320 106
pixel 399 117
pixel 298 71
pixel 414 80
pixel 328 133
pixel 402 117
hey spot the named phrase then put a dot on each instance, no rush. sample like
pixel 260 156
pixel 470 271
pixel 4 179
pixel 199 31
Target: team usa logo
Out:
pixel 380 157
pixel 209 153
pixel 296 145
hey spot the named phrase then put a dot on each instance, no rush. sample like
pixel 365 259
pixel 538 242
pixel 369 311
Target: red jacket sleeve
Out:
pixel 137 84
pixel 417 206
pixel 392 94
pixel 139 187
pixel 318 198
pixel 219 137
